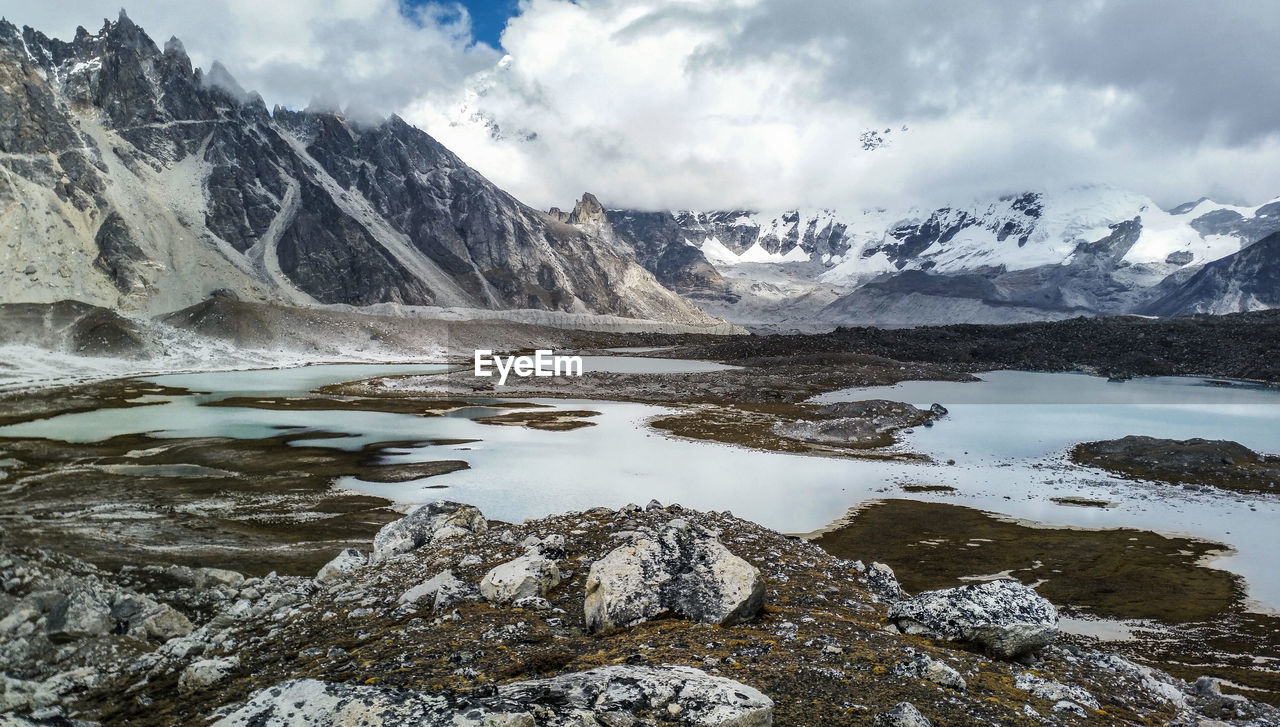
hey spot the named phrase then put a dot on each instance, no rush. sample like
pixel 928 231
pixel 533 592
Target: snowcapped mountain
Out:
pixel 1243 281
pixel 130 180
pixel 1048 254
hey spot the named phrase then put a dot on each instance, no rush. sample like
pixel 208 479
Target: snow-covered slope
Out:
pixel 1243 281
pixel 130 180
pixel 1045 254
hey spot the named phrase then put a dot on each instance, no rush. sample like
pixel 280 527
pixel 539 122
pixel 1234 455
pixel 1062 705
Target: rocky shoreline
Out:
pixel 655 615
pixel 1231 346
pixel 1191 463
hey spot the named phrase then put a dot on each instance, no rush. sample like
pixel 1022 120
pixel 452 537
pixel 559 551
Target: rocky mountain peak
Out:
pixel 588 210
pixel 170 182
pixel 219 77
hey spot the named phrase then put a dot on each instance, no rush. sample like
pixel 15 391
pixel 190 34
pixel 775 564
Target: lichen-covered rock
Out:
pixel 20 694
pixel 206 673
pixel 215 577
pixel 442 590
pixel 1056 692
pixel 348 561
pixel 904 714
pixel 426 524
pixel 145 619
pixel 163 623
pixel 676 695
pixel 1004 617
pixel 883 583
pixel 684 570
pixel 923 666
pixel 77 615
pixel 529 576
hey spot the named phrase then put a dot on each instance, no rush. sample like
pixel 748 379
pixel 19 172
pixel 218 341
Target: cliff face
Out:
pixel 132 180
pixel 1247 280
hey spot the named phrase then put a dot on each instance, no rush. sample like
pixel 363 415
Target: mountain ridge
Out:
pixel 1039 255
pixel 134 181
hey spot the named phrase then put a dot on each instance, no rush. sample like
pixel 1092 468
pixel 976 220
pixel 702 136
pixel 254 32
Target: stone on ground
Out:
pixel 674 695
pixel 426 524
pixel 683 570
pixel 904 714
pixel 348 561
pixel 442 590
pixel 529 576
pixel 1004 617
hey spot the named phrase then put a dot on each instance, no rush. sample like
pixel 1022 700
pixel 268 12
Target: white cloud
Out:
pixel 761 103
pixel 362 53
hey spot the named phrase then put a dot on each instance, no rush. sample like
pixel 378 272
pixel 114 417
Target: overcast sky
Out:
pixel 762 103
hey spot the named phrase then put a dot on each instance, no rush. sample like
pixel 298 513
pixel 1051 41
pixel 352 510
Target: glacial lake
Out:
pixel 1008 436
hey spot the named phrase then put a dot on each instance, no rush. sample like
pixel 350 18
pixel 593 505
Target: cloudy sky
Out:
pixel 765 103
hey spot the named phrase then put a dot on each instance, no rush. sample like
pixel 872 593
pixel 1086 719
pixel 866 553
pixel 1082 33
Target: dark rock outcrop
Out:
pixel 1212 463
pixel 118 255
pixel 658 239
pixel 1246 280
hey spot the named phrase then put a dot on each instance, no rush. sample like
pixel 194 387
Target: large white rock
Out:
pixel 20 694
pixel 529 576
pixel 441 590
pixel 904 714
pixel 426 524
pixel 1055 691
pixel 77 615
pixel 675 695
pixel 205 673
pixel 1005 617
pixel 344 563
pixel 212 577
pixel 683 571
pixel 160 623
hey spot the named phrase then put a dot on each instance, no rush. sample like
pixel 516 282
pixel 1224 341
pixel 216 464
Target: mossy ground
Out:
pixel 822 650
pixel 1196 462
pixel 557 420
pixel 252 505
pixel 1116 574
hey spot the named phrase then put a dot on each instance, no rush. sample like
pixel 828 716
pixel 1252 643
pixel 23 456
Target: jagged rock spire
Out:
pixel 587 210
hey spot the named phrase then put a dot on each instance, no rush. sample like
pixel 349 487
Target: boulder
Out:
pixel 20 694
pixel 163 623
pixel 1004 617
pixel 348 561
pixel 426 524
pixel 529 576
pixel 214 577
pixel 77 615
pixel 205 673
pixel 147 620
pixel 673 695
pixel 923 666
pixel 682 571
pixel 1055 692
pixel 444 589
pixel 883 583
pixel 904 714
